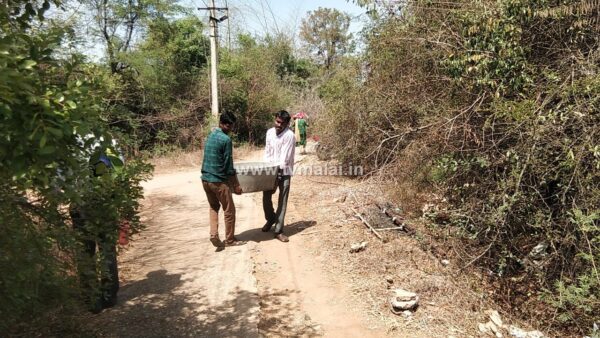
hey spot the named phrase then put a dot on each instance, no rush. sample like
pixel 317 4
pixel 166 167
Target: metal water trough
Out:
pixel 256 176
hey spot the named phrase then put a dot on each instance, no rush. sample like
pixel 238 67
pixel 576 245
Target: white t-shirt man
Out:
pixel 279 149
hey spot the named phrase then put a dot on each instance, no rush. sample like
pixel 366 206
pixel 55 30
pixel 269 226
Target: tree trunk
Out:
pixel 110 50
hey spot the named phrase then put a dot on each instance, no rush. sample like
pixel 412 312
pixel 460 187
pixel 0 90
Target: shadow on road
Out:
pixel 158 306
pixel 256 235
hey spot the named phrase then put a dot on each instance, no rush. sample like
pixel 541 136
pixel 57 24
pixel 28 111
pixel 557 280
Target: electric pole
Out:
pixel 213 36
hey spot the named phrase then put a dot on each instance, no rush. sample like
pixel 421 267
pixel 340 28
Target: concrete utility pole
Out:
pixel 213 24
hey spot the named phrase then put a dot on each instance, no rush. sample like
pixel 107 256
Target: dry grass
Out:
pixel 452 302
pixel 177 161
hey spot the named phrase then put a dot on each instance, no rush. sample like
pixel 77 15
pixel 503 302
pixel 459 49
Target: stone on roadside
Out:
pixel 495 317
pixel 356 247
pixel 535 334
pixel 490 328
pixel 403 300
pixel 520 333
pixel 517 332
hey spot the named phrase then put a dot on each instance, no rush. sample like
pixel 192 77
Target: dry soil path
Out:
pixel 174 283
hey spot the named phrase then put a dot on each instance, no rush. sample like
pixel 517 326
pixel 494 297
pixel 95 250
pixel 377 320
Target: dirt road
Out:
pixel 174 283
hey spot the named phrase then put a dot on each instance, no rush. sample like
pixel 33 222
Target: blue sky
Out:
pixel 260 16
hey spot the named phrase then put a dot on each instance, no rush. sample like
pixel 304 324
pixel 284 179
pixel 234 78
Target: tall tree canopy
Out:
pixel 325 32
pixel 117 21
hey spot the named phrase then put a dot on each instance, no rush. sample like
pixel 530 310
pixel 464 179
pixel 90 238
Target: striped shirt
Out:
pixel 217 164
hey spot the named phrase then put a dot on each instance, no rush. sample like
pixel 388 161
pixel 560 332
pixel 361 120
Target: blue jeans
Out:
pixel 277 217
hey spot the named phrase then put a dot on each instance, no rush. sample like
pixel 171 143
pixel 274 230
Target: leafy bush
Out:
pixel 47 104
pixel 252 87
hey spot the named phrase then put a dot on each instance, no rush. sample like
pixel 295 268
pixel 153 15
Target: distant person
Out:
pixel 219 180
pixel 100 284
pixel 302 124
pixel 279 149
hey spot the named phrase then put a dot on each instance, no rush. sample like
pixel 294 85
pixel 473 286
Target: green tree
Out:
pixel 45 103
pixel 168 62
pixel 155 101
pixel 117 22
pixel 252 87
pixel 325 31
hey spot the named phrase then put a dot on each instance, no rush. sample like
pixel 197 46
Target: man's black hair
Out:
pixel 227 118
pixel 284 115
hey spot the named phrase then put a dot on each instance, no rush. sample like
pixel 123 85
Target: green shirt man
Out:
pixel 217 165
pixel 219 181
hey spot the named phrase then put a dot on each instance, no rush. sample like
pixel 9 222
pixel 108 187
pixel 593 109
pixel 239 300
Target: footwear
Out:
pixel 267 227
pixel 216 242
pixel 282 237
pixel 234 242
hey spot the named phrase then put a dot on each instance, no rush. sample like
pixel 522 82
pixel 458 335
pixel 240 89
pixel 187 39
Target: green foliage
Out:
pixel 580 296
pixel 156 99
pixel 338 127
pixel 33 280
pixel 253 84
pixel 47 104
pixel 492 53
pixel 117 21
pixel 170 60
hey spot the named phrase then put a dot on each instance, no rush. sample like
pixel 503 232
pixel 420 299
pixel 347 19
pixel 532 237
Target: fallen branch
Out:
pixel 319 231
pixel 323 182
pixel 393 228
pixel 357 214
pixel 396 219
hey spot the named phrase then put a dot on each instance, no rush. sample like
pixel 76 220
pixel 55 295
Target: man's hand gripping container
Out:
pixel 256 176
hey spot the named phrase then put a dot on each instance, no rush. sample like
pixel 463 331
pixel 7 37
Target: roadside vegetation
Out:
pixel 487 111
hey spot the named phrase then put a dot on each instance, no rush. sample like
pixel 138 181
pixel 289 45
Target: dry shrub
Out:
pixel 406 180
pixel 495 105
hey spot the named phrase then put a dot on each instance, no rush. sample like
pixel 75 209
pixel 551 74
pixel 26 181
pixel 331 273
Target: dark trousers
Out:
pixel 272 216
pixel 100 286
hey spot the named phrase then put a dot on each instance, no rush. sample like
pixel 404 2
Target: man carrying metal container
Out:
pixel 219 180
pixel 279 149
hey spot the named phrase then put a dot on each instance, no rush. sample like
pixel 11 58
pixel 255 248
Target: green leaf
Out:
pixel 28 64
pixel 115 160
pixel 56 132
pixel 71 104
pixel 47 150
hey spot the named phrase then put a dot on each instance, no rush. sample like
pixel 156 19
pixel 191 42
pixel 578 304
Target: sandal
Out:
pixel 282 237
pixel 217 242
pixel 234 242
